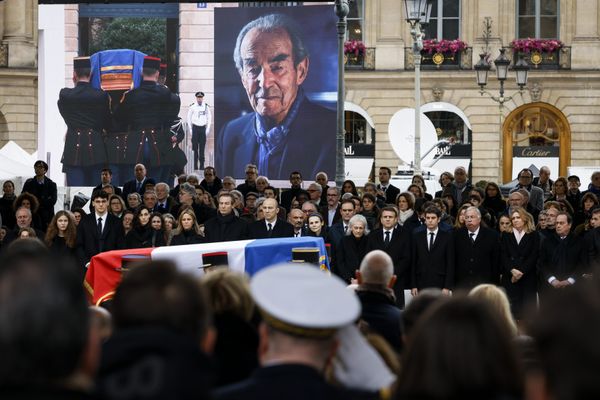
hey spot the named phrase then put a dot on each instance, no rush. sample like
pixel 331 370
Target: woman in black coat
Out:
pixel 519 252
pixel 352 249
pixel 188 231
pixel 142 234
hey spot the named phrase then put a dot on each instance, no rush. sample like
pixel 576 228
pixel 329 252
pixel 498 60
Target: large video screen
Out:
pixel 275 90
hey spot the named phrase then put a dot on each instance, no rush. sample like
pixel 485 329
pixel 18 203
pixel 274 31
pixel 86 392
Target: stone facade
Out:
pixel 18 73
pixel 575 91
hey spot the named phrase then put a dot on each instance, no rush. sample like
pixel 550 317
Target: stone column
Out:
pixel 20 32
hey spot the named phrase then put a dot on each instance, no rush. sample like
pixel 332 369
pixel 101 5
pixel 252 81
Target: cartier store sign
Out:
pixel 535 151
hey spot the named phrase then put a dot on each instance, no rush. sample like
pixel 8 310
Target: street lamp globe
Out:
pixel 416 10
pixel 482 68
pixel 502 63
pixel 521 69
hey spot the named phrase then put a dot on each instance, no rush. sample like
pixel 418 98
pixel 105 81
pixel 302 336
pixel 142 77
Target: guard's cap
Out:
pixel 82 62
pixel 303 301
pixel 163 69
pixel 309 255
pixel 199 94
pixel 127 260
pixel 249 194
pixel 214 259
pixel 152 62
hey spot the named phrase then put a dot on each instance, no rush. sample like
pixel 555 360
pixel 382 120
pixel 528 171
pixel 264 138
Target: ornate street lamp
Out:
pixel 502 63
pixel 417 15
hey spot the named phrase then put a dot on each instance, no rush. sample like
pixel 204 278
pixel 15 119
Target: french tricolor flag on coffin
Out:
pixel 249 256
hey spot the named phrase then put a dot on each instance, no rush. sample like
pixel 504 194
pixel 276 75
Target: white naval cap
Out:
pixel 301 300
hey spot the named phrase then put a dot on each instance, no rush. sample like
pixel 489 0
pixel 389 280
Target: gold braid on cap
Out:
pixel 314 333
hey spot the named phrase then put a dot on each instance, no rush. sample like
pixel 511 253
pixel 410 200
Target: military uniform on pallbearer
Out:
pixel 148 112
pixel 86 111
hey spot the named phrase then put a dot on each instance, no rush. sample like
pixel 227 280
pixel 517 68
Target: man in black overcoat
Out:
pixel 225 226
pixel 477 253
pixel 270 226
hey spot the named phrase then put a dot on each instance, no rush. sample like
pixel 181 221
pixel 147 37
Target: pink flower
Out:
pixel 443 46
pixel 540 45
pixel 355 47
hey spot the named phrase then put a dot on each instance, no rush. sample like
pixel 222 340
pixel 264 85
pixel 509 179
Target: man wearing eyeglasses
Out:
pixel 536 194
pixel 211 182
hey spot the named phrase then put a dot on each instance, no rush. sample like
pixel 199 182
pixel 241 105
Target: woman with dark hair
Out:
pixel 159 235
pixel 188 231
pixel 504 224
pixel 419 180
pixel 78 213
pixel 443 206
pixel 408 218
pixel 560 189
pixel 142 234
pixel 589 201
pixel 61 235
pixel 460 350
pixel 352 249
pixel 349 187
pixel 452 203
pixel 519 252
pixel 316 226
pixel 493 200
pixel 31 202
pixel 416 190
pixel 370 210
pixel 446 178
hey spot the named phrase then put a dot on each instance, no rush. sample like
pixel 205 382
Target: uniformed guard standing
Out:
pixel 148 112
pixel 86 111
pixel 199 119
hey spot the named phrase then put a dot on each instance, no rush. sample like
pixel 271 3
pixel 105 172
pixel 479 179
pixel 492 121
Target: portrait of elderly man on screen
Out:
pixel 286 131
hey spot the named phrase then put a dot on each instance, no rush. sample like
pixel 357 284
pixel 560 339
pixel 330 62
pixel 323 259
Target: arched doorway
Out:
pixel 536 134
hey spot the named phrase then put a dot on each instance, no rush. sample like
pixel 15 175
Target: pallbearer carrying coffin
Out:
pixel 148 112
pixel 86 111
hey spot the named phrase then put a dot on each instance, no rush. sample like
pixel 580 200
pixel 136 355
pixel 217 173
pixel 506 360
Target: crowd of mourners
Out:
pixel 502 298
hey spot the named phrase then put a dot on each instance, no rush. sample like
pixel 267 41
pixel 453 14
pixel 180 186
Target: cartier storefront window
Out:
pixel 536 133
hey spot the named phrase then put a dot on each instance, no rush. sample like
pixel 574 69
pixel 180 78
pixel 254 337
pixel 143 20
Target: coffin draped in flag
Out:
pixel 249 256
pixel 117 69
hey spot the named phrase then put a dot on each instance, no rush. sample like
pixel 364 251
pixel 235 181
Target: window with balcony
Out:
pixel 445 20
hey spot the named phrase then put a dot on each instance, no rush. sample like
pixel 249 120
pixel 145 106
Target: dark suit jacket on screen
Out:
pixel 309 147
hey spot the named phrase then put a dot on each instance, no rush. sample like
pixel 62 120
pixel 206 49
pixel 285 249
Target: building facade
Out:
pixel 552 122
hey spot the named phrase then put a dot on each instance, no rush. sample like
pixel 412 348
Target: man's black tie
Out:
pixel 345 228
pixel 138 186
pixel 387 238
pixel 430 240
pixel 472 236
pixel 100 226
pixel 269 229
